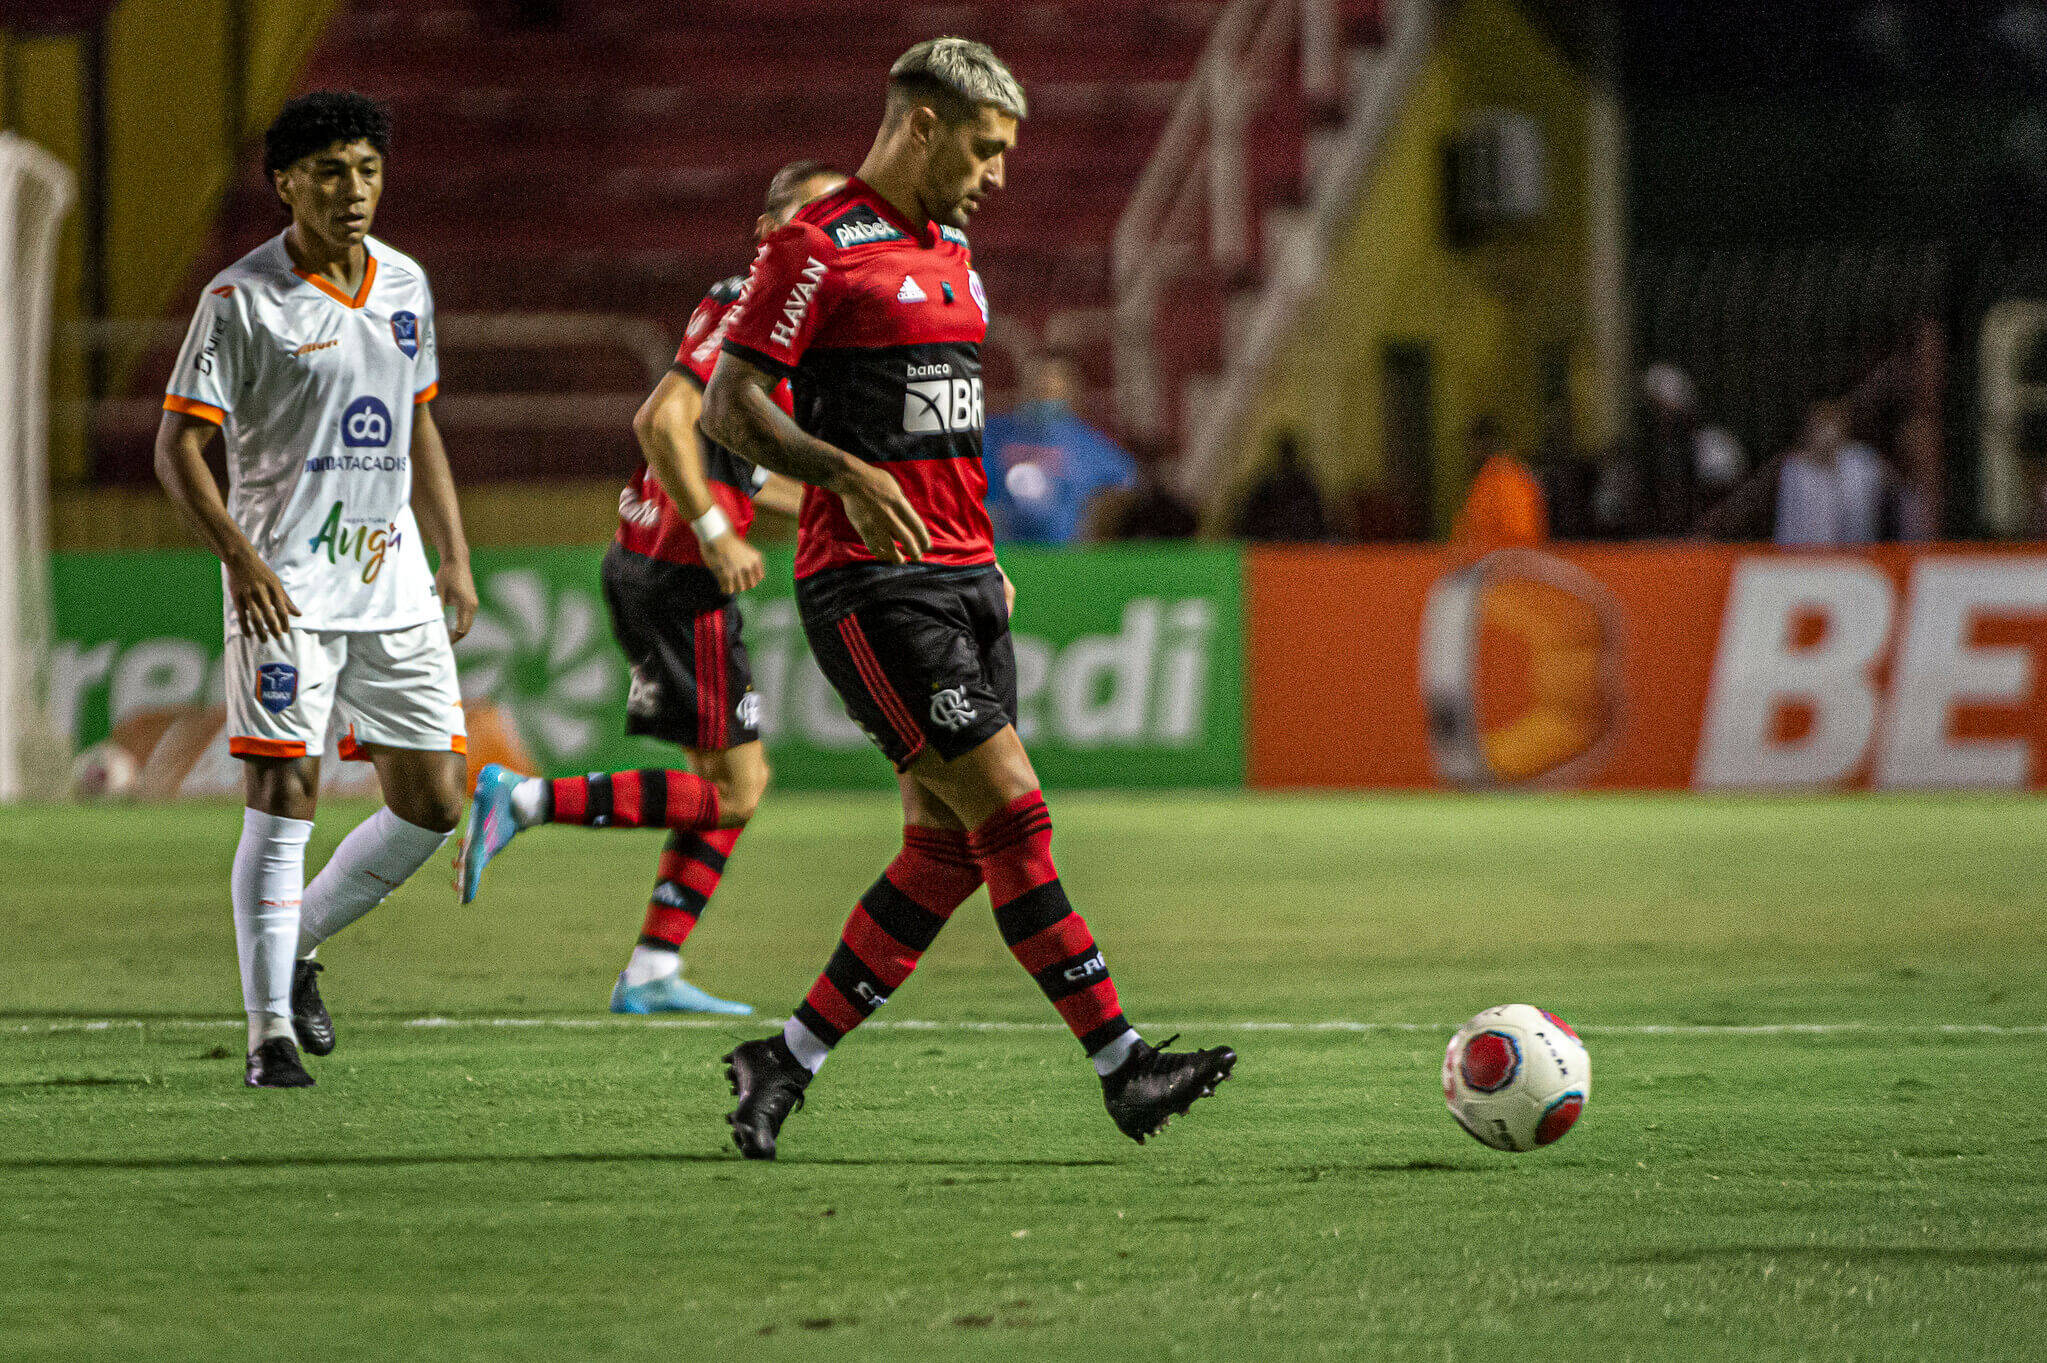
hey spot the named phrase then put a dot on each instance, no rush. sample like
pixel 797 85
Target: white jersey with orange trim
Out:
pixel 315 391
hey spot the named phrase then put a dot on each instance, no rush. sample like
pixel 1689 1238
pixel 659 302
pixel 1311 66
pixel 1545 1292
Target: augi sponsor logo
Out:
pixel 356 542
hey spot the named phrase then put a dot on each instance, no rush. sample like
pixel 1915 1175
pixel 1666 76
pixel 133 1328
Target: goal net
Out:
pixel 35 194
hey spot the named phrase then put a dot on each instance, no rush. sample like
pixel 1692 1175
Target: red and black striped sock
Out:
pixel 634 799
pixel 888 930
pixel 691 865
pixel 1046 936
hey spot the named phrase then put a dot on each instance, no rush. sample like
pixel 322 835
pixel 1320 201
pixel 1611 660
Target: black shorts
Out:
pixel 692 681
pixel 921 656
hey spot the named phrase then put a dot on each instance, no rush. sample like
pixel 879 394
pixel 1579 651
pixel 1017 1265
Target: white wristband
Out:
pixel 711 524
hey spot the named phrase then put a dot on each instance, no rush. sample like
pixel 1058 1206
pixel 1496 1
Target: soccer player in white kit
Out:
pixel 315 354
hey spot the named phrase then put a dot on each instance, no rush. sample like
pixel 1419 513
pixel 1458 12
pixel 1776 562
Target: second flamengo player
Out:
pixel 868 304
pixel 680 557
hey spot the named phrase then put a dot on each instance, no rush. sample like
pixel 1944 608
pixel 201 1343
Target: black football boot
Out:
pixel 1155 1085
pixel 275 1065
pixel 308 1014
pixel 769 1083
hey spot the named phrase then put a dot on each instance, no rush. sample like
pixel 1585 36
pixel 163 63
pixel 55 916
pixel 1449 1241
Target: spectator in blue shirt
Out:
pixel 1045 465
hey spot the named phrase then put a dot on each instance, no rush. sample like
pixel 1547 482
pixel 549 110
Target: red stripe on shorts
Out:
pixel 892 707
pixel 719 737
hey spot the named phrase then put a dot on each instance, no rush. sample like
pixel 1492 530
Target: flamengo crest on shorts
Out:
pixel 952 710
pixel 277 686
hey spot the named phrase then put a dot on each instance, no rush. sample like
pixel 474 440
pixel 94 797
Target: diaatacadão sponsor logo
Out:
pixel 366 424
pixel 1143 686
pixel 358 463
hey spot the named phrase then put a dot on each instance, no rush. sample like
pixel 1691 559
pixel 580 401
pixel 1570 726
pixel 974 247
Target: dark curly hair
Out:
pixel 317 121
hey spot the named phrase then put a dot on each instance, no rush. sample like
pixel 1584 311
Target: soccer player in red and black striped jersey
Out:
pixel 670 577
pixel 867 303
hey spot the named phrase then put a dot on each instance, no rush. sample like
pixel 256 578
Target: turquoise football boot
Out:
pixel 670 994
pixel 491 825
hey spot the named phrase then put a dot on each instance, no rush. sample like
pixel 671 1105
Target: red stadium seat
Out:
pixel 613 163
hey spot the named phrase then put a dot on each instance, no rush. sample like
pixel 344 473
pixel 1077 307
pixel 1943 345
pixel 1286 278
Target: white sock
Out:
pixel 804 1045
pixel 651 963
pixel 530 801
pixel 374 859
pixel 265 887
pixel 1110 1058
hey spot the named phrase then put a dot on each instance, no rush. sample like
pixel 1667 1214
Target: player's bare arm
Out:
pixel 261 604
pixel 740 414
pixel 440 519
pixel 783 496
pixel 666 427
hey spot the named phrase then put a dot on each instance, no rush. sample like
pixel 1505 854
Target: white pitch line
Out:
pixel 928 1025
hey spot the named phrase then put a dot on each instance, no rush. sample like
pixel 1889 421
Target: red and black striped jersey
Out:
pixel 649 522
pixel 877 325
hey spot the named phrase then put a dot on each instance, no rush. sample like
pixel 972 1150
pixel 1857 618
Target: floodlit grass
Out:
pixel 562 1191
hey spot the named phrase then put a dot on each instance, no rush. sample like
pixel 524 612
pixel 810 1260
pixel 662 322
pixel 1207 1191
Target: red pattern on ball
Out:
pixel 1559 1022
pixel 1559 1118
pixel 1490 1062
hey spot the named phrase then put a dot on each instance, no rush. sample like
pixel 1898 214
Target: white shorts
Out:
pixel 396 688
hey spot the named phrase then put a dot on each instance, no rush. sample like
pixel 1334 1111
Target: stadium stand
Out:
pixel 605 158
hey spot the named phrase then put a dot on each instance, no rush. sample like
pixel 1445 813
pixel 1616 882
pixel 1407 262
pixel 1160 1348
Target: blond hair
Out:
pixel 967 72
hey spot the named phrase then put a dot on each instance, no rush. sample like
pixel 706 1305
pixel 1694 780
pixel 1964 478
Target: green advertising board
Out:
pixel 1129 662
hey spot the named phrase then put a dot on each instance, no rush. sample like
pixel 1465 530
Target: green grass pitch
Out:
pixel 1836 1146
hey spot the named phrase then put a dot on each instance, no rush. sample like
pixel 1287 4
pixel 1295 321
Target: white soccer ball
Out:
pixel 1516 1077
pixel 105 771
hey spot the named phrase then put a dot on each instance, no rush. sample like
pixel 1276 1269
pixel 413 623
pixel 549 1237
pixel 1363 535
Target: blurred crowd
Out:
pixel 1861 466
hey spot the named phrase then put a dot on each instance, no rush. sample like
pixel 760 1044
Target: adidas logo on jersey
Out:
pixel 909 293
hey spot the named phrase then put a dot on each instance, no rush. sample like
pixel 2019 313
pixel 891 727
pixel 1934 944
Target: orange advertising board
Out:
pixel 1672 667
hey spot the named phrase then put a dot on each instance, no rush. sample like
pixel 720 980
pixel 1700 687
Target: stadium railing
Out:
pixel 1153 239
pixel 125 425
